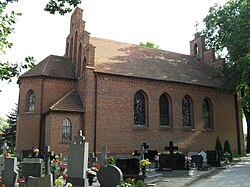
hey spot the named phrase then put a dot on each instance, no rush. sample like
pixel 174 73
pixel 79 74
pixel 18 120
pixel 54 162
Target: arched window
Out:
pixel 207 113
pixel 196 50
pixel 164 110
pixel 66 130
pixel 186 112
pixel 139 109
pixel 31 101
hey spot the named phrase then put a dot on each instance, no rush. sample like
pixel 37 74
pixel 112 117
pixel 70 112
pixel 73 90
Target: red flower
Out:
pixel 64 177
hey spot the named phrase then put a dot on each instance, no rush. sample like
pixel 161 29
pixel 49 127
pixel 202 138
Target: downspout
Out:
pixel 41 116
pixel 237 123
pixel 95 118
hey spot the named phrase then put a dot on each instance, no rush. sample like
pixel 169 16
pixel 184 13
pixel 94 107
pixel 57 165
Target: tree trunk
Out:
pixel 247 115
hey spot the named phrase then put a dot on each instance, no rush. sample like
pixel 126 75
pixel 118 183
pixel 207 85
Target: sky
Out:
pixel 169 24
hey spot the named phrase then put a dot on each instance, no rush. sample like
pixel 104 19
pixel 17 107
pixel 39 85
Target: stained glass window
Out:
pixel 139 109
pixel 186 115
pixel 206 114
pixel 66 130
pixel 31 101
pixel 164 110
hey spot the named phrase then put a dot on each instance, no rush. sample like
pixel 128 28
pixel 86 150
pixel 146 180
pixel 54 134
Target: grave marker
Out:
pixel 32 167
pixel 9 174
pixel 40 181
pixel 143 150
pixel 171 148
pixel 104 155
pixel 78 162
pixel 109 176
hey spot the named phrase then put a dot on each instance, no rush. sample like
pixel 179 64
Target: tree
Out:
pixel 9 132
pixel 218 146
pixel 149 44
pixel 227 31
pixel 9 70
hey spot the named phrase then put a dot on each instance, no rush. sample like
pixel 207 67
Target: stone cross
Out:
pixel 171 148
pixel 80 138
pixel 144 149
pixel 5 147
pixel 47 160
pixel 196 26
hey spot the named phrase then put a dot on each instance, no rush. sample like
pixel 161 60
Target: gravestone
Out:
pixel 47 155
pixel 128 166
pixel 204 155
pixel 178 161
pixel 9 174
pixel 151 155
pixel 164 162
pixel 104 156
pixel 197 160
pixel 78 162
pixel 190 154
pixel 40 181
pixel 32 167
pixel 171 148
pixel 213 159
pixel 109 176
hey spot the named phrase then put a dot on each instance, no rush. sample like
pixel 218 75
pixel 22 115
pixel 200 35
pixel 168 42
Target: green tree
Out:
pixel 218 146
pixel 227 31
pixel 227 150
pixel 9 70
pixel 9 132
pixel 149 44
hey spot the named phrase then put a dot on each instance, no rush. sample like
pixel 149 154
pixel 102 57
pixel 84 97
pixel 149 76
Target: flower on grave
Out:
pixel 59 182
pixel 188 161
pixel 91 173
pixel 110 160
pixel 21 179
pixel 97 166
pixel 156 158
pixel 69 184
pixel 144 163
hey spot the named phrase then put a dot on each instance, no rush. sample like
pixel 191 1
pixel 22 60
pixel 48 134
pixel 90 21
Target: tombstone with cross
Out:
pixel 172 160
pixel 78 161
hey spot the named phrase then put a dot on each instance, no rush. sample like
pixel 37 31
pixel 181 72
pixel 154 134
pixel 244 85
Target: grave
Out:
pixel 197 160
pixel 9 172
pixel 104 156
pixel 78 162
pixel 213 158
pixel 204 155
pixel 109 176
pixel 143 150
pixel 32 167
pixel 172 161
pixel 190 154
pixel 151 155
pixel 40 181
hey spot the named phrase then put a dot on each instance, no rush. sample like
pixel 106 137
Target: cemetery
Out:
pixel 80 168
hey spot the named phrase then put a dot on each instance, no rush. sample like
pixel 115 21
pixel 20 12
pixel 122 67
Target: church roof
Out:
pixel 71 102
pixel 138 61
pixel 53 66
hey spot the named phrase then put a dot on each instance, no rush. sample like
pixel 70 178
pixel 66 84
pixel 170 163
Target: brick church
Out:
pixel 121 95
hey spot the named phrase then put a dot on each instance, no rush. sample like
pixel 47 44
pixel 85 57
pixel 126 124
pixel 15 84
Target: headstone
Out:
pixel 190 154
pixel 151 155
pixel 109 176
pixel 104 156
pixel 27 153
pixel 9 174
pixel 32 167
pixel 47 155
pixel 197 160
pixel 213 159
pixel 128 166
pixel 40 181
pixel 204 155
pixel 164 162
pixel 178 162
pixel 78 162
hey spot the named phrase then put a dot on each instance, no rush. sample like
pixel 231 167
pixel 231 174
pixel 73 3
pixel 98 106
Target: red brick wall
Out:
pixel 115 116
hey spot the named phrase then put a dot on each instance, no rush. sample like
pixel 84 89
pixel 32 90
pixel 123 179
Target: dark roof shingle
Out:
pixel 53 66
pixel 143 62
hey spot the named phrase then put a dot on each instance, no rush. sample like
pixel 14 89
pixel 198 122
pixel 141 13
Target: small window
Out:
pixel 186 112
pixel 164 110
pixel 207 114
pixel 139 109
pixel 196 50
pixel 66 130
pixel 31 101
